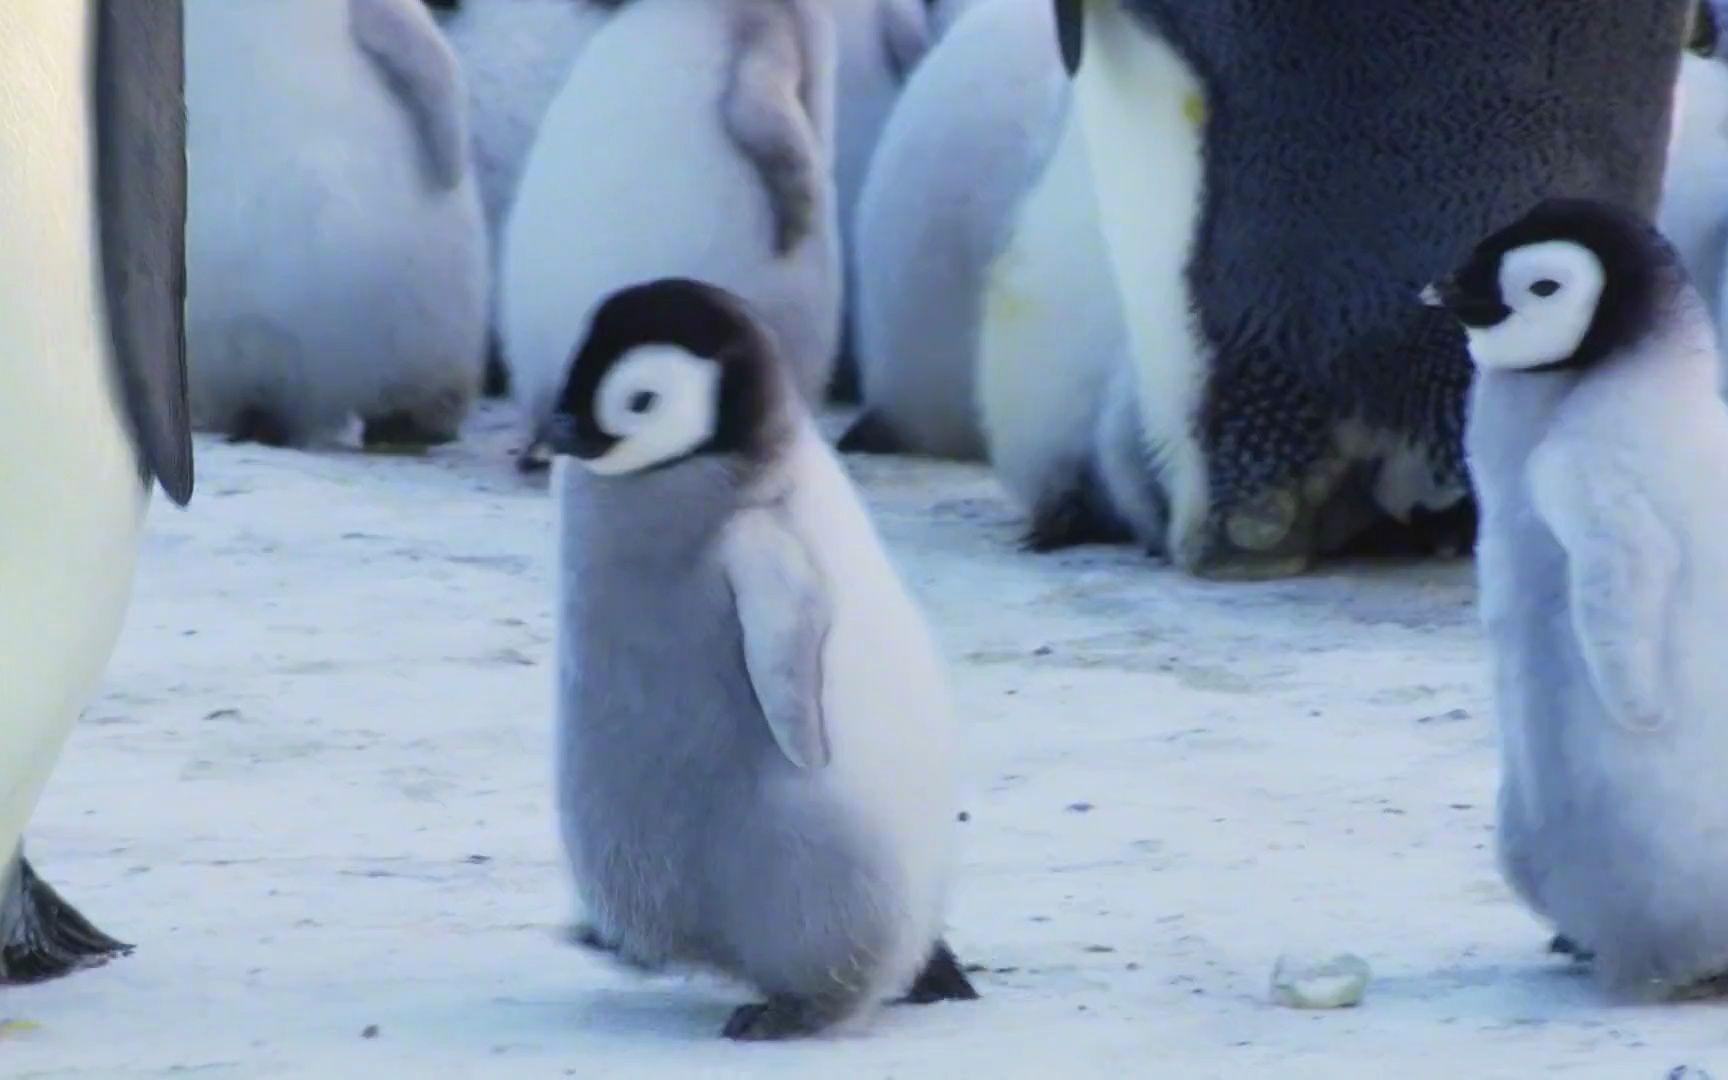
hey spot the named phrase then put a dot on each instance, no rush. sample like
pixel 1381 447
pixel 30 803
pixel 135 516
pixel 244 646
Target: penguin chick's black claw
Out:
pixel 45 937
pixel 941 980
pixel 782 1016
pixel 870 434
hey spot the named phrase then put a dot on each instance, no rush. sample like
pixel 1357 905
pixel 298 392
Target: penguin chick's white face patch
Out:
pixel 660 402
pixel 1550 292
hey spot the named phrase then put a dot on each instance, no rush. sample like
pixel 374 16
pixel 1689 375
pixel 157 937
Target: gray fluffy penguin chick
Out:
pixel 1597 447
pixel 1052 335
pixel 741 788
pixel 878 43
pixel 966 141
pixel 1269 203
pixel 336 247
pixel 716 118
pixel 514 56
pixel 93 387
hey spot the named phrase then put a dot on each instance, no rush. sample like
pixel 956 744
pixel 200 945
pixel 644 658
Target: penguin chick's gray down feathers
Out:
pixel 741 788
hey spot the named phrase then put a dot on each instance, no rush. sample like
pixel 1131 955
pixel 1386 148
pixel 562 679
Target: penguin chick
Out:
pixel 1596 445
pixel 692 137
pixel 514 56
pixel 741 788
pixel 336 246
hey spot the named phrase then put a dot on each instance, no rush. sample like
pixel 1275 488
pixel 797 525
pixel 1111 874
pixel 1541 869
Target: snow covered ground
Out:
pixel 316 793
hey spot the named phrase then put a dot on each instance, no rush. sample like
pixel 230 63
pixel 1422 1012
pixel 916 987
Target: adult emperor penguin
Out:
pixel 514 54
pixel 336 246
pixel 93 196
pixel 717 121
pixel 741 787
pixel 878 43
pixel 965 143
pixel 1052 337
pixel 1268 202
pixel 1596 444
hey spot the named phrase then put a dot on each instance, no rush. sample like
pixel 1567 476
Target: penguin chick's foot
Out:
pixel 43 937
pixel 783 1016
pixel 941 980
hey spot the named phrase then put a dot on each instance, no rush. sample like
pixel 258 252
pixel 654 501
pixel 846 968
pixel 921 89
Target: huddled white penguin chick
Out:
pixel 741 788
pixel 878 43
pixel 1597 447
pixel 1694 214
pixel 514 55
pixel 693 137
pixel 336 246
pixel 1052 337
pixel 967 139
pixel 92 287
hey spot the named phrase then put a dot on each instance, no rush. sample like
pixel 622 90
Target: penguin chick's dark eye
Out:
pixel 1545 287
pixel 642 400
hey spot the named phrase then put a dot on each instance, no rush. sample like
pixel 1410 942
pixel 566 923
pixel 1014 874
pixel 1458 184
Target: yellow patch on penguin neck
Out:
pixel 1194 109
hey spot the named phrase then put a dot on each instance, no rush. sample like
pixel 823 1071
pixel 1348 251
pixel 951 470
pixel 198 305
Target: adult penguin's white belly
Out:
pixel 71 498
pixel 1142 108
pixel 634 177
pixel 1052 336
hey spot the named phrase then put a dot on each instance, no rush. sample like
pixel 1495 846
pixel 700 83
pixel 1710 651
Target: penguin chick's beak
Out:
pixel 1070 32
pixel 562 435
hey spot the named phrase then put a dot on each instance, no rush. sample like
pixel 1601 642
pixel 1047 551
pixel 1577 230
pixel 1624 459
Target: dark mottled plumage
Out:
pixel 1354 151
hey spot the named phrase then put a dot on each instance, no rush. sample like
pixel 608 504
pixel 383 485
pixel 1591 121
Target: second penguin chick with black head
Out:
pixel 1599 452
pixel 756 762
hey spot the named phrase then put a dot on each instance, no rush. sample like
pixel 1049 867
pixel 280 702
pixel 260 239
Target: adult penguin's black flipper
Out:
pixel 140 106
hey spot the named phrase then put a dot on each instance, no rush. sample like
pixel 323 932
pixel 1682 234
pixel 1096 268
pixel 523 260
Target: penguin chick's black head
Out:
pixel 1566 285
pixel 670 369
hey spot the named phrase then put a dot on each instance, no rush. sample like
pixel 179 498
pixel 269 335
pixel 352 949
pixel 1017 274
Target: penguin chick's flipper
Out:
pixel 785 613
pixel 141 196
pixel 784 1016
pixel 905 36
pixel 765 117
pixel 1623 566
pixel 42 936
pixel 941 980
pixel 419 68
pixel 870 434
